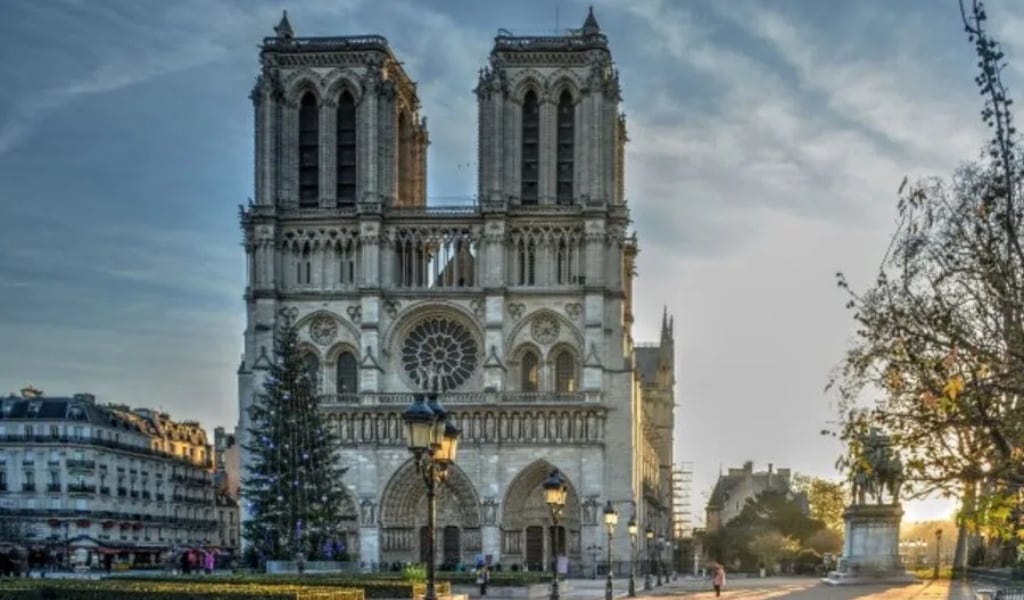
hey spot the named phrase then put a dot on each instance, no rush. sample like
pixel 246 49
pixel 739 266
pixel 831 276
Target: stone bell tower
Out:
pixel 337 122
pixel 550 128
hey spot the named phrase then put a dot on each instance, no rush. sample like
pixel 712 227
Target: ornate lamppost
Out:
pixel 632 529
pixel 657 559
pixel 555 492
pixel 433 441
pixel 648 537
pixel 938 548
pixel 611 519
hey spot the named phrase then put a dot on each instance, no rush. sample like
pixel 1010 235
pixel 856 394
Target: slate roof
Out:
pixel 49 409
pixel 728 483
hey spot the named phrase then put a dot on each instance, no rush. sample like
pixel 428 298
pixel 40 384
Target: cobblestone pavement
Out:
pixel 779 588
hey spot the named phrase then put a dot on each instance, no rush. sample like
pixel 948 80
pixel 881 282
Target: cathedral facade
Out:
pixel 518 305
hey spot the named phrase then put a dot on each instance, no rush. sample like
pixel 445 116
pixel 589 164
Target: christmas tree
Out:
pixel 294 480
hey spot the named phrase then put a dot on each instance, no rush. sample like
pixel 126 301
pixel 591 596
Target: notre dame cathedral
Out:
pixel 520 304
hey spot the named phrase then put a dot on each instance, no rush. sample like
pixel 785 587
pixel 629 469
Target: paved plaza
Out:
pixel 802 588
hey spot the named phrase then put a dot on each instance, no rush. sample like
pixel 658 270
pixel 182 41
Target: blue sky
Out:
pixel 767 143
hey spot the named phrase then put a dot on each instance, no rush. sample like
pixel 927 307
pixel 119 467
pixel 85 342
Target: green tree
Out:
pixel 828 499
pixel 824 541
pixel 772 547
pixel 294 479
pixel 776 510
pixel 940 337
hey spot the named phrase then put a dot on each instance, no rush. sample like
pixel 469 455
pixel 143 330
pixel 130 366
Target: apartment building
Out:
pixel 85 481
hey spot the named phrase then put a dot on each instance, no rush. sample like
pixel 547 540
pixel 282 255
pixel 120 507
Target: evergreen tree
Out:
pixel 294 480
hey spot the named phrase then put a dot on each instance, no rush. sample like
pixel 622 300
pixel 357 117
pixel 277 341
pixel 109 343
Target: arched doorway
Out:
pixel 403 519
pixel 527 536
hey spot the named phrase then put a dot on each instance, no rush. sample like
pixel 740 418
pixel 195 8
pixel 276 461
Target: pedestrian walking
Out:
pixel 483 576
pixel 719 579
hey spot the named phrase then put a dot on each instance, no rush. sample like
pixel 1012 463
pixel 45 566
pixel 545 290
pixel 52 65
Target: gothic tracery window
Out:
pixel 347 373
pixel 346 149
pixel 565 372
pixel 530 148
pixel 566 137
pixel 439 348
pixel 309 151
pixel 529 370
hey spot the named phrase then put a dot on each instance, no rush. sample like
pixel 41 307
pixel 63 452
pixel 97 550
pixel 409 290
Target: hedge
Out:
pixel 373 588
pixel 78 589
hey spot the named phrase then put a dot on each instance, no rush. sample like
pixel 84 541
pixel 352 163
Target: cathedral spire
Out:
pixel 284 28
pixel 665 327
pixel 590 26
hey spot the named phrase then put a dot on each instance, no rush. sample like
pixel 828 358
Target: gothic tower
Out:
pixel 519 305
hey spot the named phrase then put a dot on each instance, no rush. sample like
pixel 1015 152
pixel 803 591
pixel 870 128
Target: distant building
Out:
pixel 96 481
pixel 228 462
pixel 733 489
pixel 228 485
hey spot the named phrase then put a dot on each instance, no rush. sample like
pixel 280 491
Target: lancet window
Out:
pixel 566 137
pixel 529 372
pixel 530 149
pixel 346 149
pixel 347 374
pixel 565 372
pixel 309 151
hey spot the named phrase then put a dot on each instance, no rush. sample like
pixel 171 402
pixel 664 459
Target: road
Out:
pixel 779 588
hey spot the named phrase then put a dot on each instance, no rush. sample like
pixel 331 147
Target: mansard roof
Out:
pixel 51 409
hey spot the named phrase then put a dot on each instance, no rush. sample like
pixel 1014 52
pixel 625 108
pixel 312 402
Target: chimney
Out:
pixel 82 397
pixel 771 468
pixel 748 467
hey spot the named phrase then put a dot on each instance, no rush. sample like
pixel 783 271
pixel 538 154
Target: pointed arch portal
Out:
pixel 526 520
pixel 403 518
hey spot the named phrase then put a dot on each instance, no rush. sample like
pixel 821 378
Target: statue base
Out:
pixel 871 548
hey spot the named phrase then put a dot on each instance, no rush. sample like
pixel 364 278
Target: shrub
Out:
pixel 74 589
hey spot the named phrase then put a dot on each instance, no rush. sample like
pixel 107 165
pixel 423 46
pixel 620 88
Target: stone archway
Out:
pixel 526 529
pixel 403 517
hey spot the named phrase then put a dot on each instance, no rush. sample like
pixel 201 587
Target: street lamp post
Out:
pixel 649 537
pixel 938 547
pixel 657 558
pixel 67 546
pixel 555 491
pixel 433 441
pixel 593 549
pixel 632 529
pixel 611 519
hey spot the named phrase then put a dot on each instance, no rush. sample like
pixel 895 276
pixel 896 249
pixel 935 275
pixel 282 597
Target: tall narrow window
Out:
pixel 405 176
pixel 347 374
pixel 531 148
pixel 528 372
pixel 566 135
pixel 346 149
pixel 565 372
pixel 309 151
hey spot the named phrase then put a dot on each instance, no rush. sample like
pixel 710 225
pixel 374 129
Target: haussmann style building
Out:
pixel 520 303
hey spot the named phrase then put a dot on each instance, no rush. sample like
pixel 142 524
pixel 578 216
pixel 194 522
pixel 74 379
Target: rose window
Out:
pixel 440 348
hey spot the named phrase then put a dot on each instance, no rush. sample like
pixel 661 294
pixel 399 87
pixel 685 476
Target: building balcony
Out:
pixel 53 488
pixel 80 465
pixel 145 495
pixel 104 490
pixel 3 486
pixel 122 492
pixel 18 439
pixel 159 497
pixel 81 488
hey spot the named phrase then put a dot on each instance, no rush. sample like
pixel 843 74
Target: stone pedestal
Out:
pixel 871 548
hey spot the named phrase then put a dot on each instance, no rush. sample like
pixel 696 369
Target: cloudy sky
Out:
pixel 767 143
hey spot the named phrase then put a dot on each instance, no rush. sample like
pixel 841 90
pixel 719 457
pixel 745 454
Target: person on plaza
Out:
pixel 719 579
pixel 483 576
pixel 208 562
